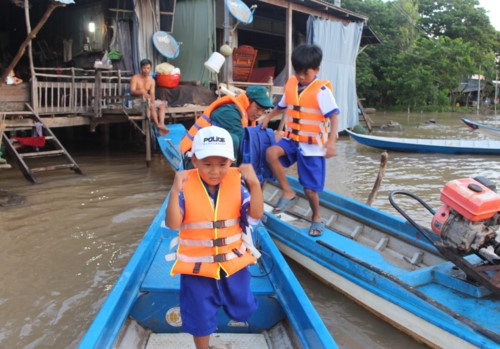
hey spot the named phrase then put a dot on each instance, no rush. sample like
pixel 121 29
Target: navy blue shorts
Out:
pixel 201 298
pixel 311 170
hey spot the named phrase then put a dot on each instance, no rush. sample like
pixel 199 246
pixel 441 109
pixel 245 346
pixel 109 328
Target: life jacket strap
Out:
pixel 304 109
pixel 211 243
pixel 219 258
pixel 211 224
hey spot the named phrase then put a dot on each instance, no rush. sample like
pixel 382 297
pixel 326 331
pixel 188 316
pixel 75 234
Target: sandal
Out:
pixel 316 228
pixel 283 204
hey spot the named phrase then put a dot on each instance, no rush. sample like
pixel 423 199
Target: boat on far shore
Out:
pixel 489 131
pixel 420 145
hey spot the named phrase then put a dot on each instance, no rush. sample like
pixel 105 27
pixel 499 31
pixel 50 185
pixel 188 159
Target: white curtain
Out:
pixel 144 28
pixel 340 43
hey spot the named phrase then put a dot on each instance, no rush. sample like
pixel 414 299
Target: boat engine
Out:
pixel 469 219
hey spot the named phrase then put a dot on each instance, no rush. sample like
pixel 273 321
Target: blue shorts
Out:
pixel 201 298
pixel 311 169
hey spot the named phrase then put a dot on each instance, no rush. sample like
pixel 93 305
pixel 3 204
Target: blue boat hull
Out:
pixel 146 293
pixel 429 145
pixel 489 131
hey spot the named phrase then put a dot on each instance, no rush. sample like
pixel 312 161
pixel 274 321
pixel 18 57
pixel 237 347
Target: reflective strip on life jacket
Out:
pixel 211 243
pixel 210 225
pixel 219 258
pixel 303 109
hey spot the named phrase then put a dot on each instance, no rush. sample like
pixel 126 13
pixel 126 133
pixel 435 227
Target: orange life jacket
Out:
pixel 211 238
pixel 241 102
pixel 304 120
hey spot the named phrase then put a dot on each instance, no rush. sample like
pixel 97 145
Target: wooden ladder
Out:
pixel 54 155
pixel 364 117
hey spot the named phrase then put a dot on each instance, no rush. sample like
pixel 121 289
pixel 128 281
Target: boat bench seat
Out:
pixel 158 278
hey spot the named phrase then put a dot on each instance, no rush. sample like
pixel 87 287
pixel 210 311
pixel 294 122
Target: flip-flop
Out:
pixel 318 227
pixel 283 204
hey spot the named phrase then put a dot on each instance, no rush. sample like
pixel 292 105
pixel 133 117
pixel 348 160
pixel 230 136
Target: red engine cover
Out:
pixel 471 199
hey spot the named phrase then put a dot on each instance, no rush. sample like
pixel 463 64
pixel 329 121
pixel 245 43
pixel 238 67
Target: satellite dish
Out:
pixel 240 11
pixel 166 44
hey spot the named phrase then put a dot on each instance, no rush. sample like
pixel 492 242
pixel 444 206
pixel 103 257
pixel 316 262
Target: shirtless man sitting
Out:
pixel 144 85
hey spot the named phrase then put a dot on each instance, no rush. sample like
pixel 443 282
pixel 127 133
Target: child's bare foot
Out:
pixel 163 131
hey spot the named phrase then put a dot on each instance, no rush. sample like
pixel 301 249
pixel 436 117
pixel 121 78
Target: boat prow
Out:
pixel 489 131
pixel 444 146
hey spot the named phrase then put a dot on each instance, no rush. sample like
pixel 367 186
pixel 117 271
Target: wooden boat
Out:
pixel 391 268
pixel 489 131
pixel 387 266
pixel 142 310
pixel 446 146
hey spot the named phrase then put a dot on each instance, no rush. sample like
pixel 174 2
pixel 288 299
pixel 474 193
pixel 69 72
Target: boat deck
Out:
pixel 158 309
pixel 217 341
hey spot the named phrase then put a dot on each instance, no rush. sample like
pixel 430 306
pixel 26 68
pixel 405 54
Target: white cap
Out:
pixel 213 141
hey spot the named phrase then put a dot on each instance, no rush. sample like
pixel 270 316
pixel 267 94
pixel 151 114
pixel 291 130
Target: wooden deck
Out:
pixel 69 97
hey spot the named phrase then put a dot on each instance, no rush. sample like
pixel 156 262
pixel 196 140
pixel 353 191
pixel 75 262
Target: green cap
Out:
pixel 260 95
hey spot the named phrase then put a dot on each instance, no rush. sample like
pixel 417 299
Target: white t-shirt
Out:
pixel 328 107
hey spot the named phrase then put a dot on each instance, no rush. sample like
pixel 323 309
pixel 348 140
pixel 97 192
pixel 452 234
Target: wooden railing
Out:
pixel 73 90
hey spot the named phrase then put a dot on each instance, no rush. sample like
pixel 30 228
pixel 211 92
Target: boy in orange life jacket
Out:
pixel 210 206
pixel 310 132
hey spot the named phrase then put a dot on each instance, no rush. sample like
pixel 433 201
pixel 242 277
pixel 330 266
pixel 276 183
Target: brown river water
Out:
pixel 63 249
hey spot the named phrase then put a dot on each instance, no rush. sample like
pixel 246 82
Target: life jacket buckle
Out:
pixel 197 267
pixel 219 242
pixel 220 258
pixel 237 252
pixel 219 225
pixel 296 107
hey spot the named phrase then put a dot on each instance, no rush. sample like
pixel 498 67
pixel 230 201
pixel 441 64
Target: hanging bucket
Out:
pixel 215 62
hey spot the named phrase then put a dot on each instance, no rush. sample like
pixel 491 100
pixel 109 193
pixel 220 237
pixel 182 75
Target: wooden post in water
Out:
pixel 381 172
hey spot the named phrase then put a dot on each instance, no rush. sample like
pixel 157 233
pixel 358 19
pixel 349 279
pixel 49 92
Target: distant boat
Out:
pixel 489 131
pixel 446 146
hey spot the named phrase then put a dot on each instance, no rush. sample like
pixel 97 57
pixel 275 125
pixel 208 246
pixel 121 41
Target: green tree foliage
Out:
pixel 428 47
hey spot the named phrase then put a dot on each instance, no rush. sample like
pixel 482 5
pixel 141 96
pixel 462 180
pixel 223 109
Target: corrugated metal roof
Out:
pixel 472 85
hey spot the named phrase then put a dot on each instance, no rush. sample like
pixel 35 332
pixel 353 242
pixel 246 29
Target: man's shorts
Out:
pixel 311 169
pixel 159 103
pixel 201 298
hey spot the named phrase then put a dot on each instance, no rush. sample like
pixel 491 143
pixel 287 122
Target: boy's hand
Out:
pixel 256 207
pixel 331 147
pixel 179 179
pixel 248 174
